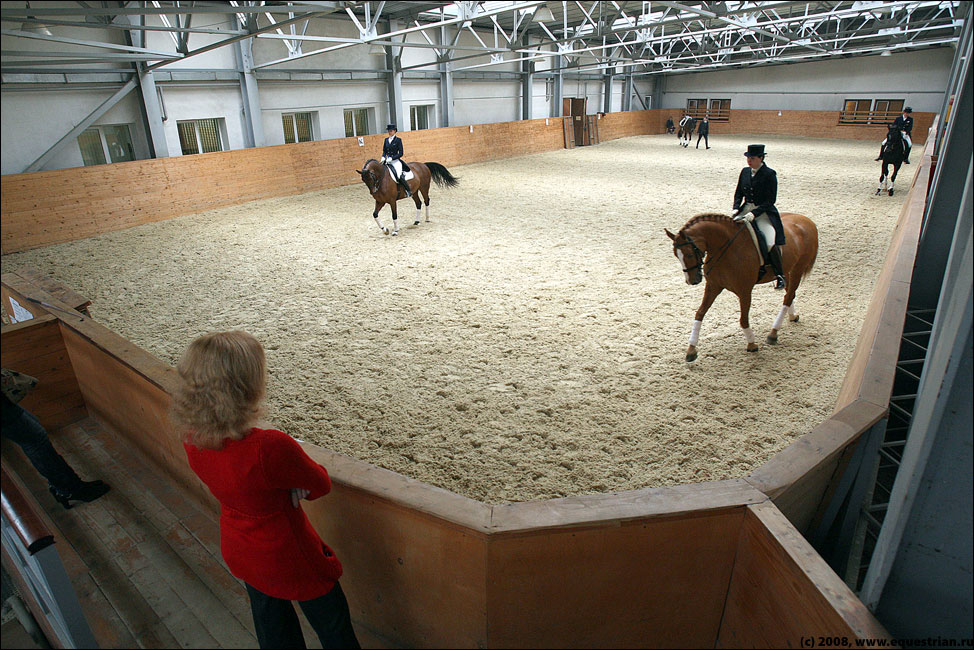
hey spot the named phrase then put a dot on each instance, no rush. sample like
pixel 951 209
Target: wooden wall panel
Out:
pixel 638 584
pixel 782 592
pixel 43 208
pixel 36 347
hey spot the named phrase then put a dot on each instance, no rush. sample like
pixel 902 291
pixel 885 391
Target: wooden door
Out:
pixel 578 119
pixel 569 129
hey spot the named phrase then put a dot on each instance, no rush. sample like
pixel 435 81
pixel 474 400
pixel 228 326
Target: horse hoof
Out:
pixel 891 192
pixel 691 354
pixel 416 223
pixel 878 192
pixel 385 231
pixel 794 319
pixel 752 347
pixel 772 340
pixel 395 233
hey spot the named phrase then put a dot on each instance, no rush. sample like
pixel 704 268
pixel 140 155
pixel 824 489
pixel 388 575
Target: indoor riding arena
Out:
pixel 500 390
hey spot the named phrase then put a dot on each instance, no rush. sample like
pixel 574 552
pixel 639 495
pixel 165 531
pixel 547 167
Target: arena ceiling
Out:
pixel 641 38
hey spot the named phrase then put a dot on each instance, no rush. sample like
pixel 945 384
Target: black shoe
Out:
pixel 907 162
pixel 708 147
pixel 779 282
pixel 87 491
pixel 878 159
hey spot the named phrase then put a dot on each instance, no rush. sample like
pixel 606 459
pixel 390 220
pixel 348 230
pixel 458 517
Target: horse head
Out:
pixel 371 174
pixel 689 255
pixel 893 134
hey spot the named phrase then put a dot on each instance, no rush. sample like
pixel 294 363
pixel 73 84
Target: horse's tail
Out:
pixel 441 175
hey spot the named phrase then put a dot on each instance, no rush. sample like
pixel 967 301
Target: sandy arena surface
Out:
pixel 527 343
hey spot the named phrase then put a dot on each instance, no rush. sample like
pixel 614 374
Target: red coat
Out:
pixel 265 541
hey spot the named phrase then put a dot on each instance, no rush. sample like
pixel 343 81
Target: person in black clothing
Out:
pixel 757 191
pixel 670 127
pixel 905 124
pixel 391 154
pixel 703 131
pixel 25 430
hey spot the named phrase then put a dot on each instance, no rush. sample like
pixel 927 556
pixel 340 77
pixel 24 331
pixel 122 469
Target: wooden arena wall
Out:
pixel 49 207
pixel 428 568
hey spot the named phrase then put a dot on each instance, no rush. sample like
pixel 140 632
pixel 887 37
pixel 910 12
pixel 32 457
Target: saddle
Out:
pixel 768 235
pixel 407 176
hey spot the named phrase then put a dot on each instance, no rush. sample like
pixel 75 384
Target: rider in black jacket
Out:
pixel 757 191
pixel 391 153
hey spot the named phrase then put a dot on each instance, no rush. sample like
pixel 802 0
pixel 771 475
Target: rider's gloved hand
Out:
pixel 745 213
pixel 382 160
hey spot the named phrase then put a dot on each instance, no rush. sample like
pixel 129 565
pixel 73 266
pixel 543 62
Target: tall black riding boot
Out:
pixel 405 187
pixel 774 256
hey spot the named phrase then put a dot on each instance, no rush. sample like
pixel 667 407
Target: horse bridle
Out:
pixel 696 251
pixel 375 181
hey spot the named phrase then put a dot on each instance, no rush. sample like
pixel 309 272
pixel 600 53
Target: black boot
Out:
pixel 774 256
pixel 85 491
pixel 405 187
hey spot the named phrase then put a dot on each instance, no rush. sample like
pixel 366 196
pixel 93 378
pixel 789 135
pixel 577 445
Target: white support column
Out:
pixel 151 103
pixel 446 84
pixel 253 125
pixel 394 79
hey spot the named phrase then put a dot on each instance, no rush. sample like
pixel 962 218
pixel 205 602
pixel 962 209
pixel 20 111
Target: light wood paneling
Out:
pixel 36 348
pixel 782 592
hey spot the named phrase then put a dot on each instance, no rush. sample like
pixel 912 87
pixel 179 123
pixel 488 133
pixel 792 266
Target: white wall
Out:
pixel 917 77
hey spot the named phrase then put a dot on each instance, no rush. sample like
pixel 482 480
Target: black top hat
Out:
pixel 907 110
pixel 391 127
pixel 754 150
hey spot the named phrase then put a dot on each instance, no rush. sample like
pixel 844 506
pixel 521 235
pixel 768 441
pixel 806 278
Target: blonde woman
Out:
pixel 259 477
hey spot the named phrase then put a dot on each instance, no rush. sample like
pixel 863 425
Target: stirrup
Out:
pixel 779 282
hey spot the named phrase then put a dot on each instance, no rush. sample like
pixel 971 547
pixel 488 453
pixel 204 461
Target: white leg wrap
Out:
pixel 695 332
pixel 417 213
pixel 781 318
pixel 427 211
pixel 791 309
pixel 748 335
pixel 379 223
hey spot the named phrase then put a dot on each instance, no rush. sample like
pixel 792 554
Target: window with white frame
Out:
pixel 110 142
pixel 420 117
pixel 201 136
pixel 298 127
pixel 357 121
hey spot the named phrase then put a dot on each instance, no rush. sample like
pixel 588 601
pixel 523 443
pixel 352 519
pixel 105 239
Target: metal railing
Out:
pixel 868 118
pixel 32 552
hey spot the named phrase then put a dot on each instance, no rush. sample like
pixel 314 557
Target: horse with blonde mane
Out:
pixel 715 247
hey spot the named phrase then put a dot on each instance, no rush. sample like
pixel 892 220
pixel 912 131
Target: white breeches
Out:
pixel 396 170
pixel 763 225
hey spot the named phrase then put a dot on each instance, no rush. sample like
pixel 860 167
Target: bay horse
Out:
pixel 685 134
pixel 385 190
pixel 715 247
pixel 894 153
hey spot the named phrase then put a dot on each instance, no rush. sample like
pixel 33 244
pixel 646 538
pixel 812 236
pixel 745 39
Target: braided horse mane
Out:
pixel 706 216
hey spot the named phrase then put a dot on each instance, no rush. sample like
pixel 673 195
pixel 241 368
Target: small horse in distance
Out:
pixel 894 153
pixel 385 189
pixel 712 246
pixel 685 134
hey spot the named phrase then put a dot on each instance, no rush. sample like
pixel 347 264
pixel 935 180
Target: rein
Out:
pixel 700 261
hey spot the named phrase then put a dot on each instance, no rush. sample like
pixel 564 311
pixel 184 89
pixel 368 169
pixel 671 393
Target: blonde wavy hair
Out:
pixel 222 379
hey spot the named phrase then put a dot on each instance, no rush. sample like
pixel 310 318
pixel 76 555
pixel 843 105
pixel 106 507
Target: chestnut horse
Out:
pixel 715 247
pixel 385 190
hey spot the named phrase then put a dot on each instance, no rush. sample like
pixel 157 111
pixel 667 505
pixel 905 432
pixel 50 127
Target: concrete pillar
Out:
pixel 527 90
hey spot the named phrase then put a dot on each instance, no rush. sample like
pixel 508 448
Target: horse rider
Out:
pixel 904 123
pixel 757 191
pixel 669 125
pixel 686 118
pixel 703 131
pixel 391 154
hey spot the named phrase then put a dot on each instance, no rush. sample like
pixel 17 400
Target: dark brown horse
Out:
pixel 715 247
pixel 685 133
pixel 385 189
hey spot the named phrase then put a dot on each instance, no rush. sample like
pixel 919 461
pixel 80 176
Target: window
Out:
pixel 420 116
pixel 297 127
pixel 883 111
pixel 697 107
pixel 101 144
pixel 720 110
pixel 356 122
pixel 855 111
pixel 886 110
pixel 200 136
